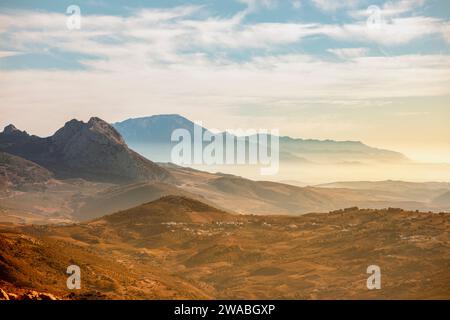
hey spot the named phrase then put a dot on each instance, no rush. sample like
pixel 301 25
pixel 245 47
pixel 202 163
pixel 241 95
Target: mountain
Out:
pixel 151 136
pixel 396 190
pixel 117 178
pixel 337 151
pixel 442 200
pixel 178 209
pixel 154 129
pixel 92 150
pixel 123 197
pixel 17 173
pixel 180 248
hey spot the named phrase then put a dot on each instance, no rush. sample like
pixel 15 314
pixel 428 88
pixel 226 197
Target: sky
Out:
pixel 372 71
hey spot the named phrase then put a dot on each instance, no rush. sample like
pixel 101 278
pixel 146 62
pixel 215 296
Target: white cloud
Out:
pixel 446 32
pixel 333 5
pixel 155 61
pixel 349 53
pixel 163 34
pixel 209 88
pixel 296 4
pixel 397 31
pixel 4 54
pixel 390 9
pixel 402 6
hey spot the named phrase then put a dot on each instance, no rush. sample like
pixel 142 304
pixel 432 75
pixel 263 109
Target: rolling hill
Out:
pixel 176 248
pixel 123 197
pixel 17 173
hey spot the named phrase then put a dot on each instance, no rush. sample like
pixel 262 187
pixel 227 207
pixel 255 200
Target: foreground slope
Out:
pixel 179 247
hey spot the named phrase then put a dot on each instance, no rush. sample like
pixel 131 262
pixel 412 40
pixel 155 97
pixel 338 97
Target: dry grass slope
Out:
pixel 177 247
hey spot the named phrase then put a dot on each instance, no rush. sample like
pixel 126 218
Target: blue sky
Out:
pixel 349 70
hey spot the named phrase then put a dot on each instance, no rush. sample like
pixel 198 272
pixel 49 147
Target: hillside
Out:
pixel 17 173
pixel 430 194
pixel 37 262
pixel 178 247
pixel 171 208
pixel 122 197
pixel 442 200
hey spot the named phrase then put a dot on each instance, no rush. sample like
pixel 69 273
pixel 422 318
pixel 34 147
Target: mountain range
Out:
pixel 151 137
pixel 145 230
pixel 87 170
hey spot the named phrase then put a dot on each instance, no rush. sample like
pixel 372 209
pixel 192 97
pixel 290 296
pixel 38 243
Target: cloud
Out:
pixel 4 54
pixel 173 35
pixel 389 9
pixel 296 4
pixel 446 32
pixel 333 5
pixel 399 7
pixel 257 4
pixel 348 53
pixel 398 31
pixel 177 59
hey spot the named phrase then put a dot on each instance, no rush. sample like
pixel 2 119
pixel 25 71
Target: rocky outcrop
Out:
pixel 92 150
pixel 27 295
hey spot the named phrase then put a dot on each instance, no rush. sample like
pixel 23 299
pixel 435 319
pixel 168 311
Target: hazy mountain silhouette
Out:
pixel 124 197
pixel 443 200
pixel 152 129
pixel 151 137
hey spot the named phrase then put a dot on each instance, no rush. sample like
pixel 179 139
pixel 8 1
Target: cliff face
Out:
pixel 92 150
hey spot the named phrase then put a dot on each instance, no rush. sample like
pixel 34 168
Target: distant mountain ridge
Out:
pixel 156 128
pixel 151 137
pixel 92 150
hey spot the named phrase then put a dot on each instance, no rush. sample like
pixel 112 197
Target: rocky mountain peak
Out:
pixel 12 130
pixel 95 130
pixel 104 128
pixel 92 150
